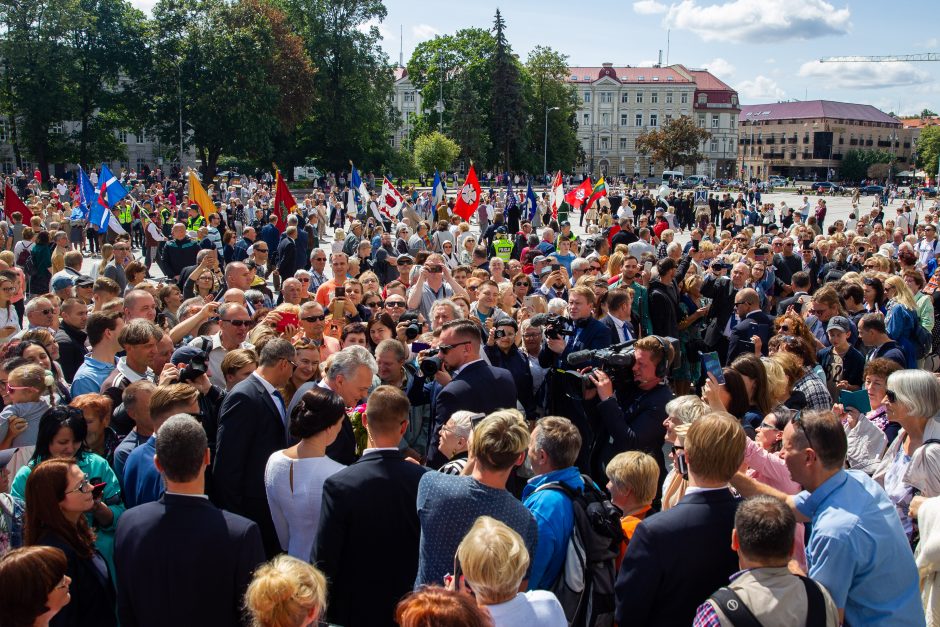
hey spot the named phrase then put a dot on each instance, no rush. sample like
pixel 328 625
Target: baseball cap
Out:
pixel 540 259
pixel 184 355
pixel 545 270
pixel 61 282
pixel 839 323
pixel 84 281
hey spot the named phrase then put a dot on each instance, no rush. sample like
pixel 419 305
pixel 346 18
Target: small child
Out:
pixel 19 421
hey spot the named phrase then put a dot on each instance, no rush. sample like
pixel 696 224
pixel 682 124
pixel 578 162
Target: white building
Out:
pixel 407 101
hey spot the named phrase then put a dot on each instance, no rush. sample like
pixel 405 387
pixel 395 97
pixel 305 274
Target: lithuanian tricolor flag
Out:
pixel 600 189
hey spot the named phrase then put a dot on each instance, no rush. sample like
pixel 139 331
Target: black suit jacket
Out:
pixel 162 551
pixel 250 429
pixel 756 323
pixel 611 325
pixel 368 538
pixel 720 290
pixel 791 300
pixel 286 257
pixel 92 600
pixel 479 387
pixel 676 559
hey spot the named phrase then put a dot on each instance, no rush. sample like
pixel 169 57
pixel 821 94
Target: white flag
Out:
pixel 391 201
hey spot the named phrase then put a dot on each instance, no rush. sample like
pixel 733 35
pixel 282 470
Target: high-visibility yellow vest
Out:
pixel 126 215
pixel 503 249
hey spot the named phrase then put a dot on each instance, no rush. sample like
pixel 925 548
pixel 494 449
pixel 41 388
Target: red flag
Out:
pixel 12 202
pixel 579 194
pixel 391 199
pixel 284 202
pixel 469 197
pixel 558 194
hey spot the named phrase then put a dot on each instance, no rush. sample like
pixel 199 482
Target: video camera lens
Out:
pixel 196 367
pixel 431 364
pixel 499 333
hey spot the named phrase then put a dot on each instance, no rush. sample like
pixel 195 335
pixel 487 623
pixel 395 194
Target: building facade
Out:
pixel 808 140
pixel 406 99
pixel 618 104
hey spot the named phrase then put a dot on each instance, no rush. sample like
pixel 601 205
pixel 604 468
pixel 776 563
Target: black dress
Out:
pixel 93 598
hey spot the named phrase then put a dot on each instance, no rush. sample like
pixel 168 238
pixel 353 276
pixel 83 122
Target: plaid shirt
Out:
pixel 706 616
pixel 817 395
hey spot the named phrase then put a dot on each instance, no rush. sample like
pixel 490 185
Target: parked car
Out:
pixel 777 181
pixel 871 189
pixel 827 187
pixel 930 192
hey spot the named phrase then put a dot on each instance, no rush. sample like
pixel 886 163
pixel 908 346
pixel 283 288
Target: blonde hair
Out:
pixel 635 471
pixel 778 385
pixel 283 591
pixel 902 293
pixel 494 559
pixel 714 446
pixel 499 439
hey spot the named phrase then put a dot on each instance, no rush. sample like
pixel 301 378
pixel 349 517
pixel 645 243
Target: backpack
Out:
pixel 25 261
pixel 585 586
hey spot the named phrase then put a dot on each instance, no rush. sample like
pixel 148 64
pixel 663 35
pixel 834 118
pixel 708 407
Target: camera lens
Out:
pixel 412 331
pixel 430 366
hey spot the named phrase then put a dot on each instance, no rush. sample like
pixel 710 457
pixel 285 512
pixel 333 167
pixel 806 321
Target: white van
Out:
pixel 672 178
pixel 696 180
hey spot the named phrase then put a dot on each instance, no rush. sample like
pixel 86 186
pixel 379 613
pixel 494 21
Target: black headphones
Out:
pixel 662 368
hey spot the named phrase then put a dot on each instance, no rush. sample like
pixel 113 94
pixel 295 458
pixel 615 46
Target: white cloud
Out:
pixel 649 7
pixel 144 5
pixel 931 43
pixel 384 33
pixel 863 75
pixel 720 67
pixel 770 60
pixel 761 89
pixel 758 21
pixel 422 32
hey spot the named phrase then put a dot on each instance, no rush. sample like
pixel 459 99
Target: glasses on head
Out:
pixel 445 348
pixel 81 486
pixel 319 318
pixel 797 422
pixel 238 323
pixel 394 304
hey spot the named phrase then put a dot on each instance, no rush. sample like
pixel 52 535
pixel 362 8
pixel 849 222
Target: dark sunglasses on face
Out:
pixel 891 395
pixel 238 323
pixel 394 304
pixel 319 318
pixel 445 348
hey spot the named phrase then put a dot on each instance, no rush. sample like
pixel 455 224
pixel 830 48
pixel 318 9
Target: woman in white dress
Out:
pixel 293 477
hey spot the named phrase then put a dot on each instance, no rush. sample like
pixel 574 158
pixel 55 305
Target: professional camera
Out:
pixel 430 363
pixel 413 330
pixel 196 367
pixel 555 326
pixel 615 361
pixel 499 333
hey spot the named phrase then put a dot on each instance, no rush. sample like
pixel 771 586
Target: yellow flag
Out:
pixel 199 196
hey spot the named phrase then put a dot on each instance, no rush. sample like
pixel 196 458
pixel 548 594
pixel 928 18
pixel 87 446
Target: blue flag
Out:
pixel 532 200
pixel 110 193
pixel 510 195
pixel 86 197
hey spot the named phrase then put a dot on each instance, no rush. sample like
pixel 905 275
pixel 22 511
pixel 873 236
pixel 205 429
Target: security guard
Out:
pixel 502 245
pixel 195 221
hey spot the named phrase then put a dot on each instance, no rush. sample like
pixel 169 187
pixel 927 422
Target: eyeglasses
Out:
pixel 238 323
pixel 45 312
pixel 81 486
pixel 291 362
pixel 394 304
pixel 767 425
pixel 303 279
pixel 445 348
pixel 891 395
pixel 741 302
pixel 798 423
pixel 315 258
pixel 595 268
pixel 319 318
pixel 522 284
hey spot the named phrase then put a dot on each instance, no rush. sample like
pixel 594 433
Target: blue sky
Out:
pixel 766 49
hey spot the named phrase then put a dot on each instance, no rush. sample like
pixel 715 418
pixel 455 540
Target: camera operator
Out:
pixel 502 352
pixel 633 419
pixel 190 365
pixel 586 333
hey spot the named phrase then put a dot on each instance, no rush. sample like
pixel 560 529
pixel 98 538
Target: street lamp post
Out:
pixel 545 147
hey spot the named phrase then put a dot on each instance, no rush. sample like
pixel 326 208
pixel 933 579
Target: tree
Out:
pixel 435 152
pixel 879 171
pixel 927 113
pixel 547 71
pixel 506 120
pixel 675 143
pixel 470 135
pixel 928 149
pixel 228 63
pixel 856 163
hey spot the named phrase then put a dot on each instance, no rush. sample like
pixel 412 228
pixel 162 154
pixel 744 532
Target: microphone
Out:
pixel 540 320
pixel 580 357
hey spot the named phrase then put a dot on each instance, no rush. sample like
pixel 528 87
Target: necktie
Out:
pixel 626 332
pixel 281 407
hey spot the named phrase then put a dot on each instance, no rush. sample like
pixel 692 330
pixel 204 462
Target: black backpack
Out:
pixel 585 586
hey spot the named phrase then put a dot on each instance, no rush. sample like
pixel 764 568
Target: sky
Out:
pixel 768 50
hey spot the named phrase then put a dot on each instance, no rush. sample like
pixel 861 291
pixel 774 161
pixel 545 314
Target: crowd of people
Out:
pixel 413 419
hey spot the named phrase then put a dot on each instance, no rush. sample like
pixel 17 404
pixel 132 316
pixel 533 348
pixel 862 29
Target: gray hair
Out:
pixel 580 264
pixel 672 247
pixel 275 350
pixel 194 303
pixel 181 447
pixel 253 295
pixel 686 408
pixel 205 252
pixel 446 302
pixel 461 422
pixel 918 390
pixel 392 346
pixel 139 331
pixel 36 304
pixel 347 361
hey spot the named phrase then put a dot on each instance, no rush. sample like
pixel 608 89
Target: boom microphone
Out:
pixel 540 320
pixel 580 357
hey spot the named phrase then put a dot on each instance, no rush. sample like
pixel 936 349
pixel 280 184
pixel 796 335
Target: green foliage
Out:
pixel 401 163
pixel 675 143
pixel 928 149
pixel 547 71
pixel 927 113
pixel 435 152
pixel 856 163
pixel 507 107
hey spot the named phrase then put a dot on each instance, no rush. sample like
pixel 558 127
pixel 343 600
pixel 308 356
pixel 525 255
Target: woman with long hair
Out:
pixel 58 497
pixel 381 327
pixel 62 433
pixel 752 371
pixel 41 273
pixel 874 294
pixel 107 254
pixel 901 319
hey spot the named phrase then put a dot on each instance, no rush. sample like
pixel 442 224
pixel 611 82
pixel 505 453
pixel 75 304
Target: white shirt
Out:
pixel 270 389
pixel 536 608
pixel 216 354
pixel 618 323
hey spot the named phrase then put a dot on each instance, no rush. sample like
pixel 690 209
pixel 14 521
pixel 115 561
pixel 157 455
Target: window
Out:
pixel 141 136
pixel 122 136
pixel 639 97
pixel 654 97
pixel 574 77
pixel 667 118
pixel 587 96
pixel 409 96
pixel 713 146
pixel 714 121
pixel 639 120
pixel 684 98
pixel 605 143
pixel 668 97
pixel 607 97
pixel 734 122
pixel 654 119
pixel 640 78
pixel 701 120
pixel 141 162
pixel 587 119
pixel 55 128
pixel 623 143
pixel 623 119
pixel 702 99
pixel 605 119
pixel 625 97
pixel 586 77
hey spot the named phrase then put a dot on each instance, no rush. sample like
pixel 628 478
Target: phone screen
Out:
pixel 417 347
pixel 556 267
pixel 647 266
pixel 340 292
pixel 97 490
pixel 713 366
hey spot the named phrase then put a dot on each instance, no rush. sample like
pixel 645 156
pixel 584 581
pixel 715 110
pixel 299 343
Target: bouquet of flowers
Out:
pixel 359 430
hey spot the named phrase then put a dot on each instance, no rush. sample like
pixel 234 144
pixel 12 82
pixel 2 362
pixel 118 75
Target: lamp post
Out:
pixel 545 147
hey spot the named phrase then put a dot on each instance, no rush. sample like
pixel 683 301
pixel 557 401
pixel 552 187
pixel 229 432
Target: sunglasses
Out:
pixel 767 425
pixel 445 348
pixel 394 304
pixel 521 284
pixel 319 318
pixel 238 323
pixel 376 304
pixel 45 312
pixel 891 395
pixel 304 280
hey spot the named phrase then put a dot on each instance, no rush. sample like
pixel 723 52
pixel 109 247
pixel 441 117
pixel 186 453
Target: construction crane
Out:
pixel 888 58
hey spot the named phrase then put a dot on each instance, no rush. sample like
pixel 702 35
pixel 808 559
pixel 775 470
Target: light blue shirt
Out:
pixel 858 550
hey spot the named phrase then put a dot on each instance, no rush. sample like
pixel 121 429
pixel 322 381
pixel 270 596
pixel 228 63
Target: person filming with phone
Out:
pixel 434 283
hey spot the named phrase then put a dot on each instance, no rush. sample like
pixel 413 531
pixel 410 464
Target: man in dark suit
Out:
pixel 752 321
pixel 722 291
pixel 618 316
pixel 287 253
pixel 369 522
pixel 162 549
pixel 799 283
pixel 475 385
pixel 252 425
pixel 678 557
